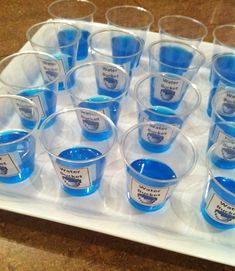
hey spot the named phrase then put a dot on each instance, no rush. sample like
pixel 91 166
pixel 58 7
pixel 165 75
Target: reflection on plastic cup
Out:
pixel 99 86
pixel 218 203
pixel 58 38
pixel 36 78
pixel 175 57
pixel 78 12
pixel 17 143
pixel 222 76
pixel 79 160
pixel 152 177
pixel 182 28
pixel 116 46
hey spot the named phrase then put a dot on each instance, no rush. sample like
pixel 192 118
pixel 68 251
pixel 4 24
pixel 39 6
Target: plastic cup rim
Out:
pixel 151 46
pixel 150 15
pixel 29 133
pixel 33 53
pixel 216 38
pixel 53 22
pixel 110 55
pixel 76 109
pixel 188 139
pixel 185 18
pixel 79 18
pixel 93 63
pixel 155 75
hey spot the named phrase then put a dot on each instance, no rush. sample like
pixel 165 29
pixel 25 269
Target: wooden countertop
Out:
pixel 32 244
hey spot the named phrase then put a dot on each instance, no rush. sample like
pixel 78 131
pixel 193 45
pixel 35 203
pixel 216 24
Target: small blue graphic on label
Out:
pixel 228 153
pixel 90 124
pixel 146 199
pixel 110 82
pixel 154 138
pixel 222 216
pixel 228 108
pixel 3 170
pixel 72 182
pixel 167 94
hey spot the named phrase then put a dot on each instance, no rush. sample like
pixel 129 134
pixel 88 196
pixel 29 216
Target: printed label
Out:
pixel 147 195
pixel 228 106
pixel 109 77
pixel 157 133
pixel 24 109
pixel 37 100
pixel 91 121
pixel 168 89
pixel 7 166
pixel 220 210
pixel 75 178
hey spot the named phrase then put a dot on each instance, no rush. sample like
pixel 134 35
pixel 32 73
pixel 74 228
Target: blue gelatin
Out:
pixel 225 66
pixel 88 182
pixel 16 159
pixel 154 139
pixel 44 99
pixel 174 59
pixel 83 45
pixel 106 106
pixel 146 199
pixel 223 215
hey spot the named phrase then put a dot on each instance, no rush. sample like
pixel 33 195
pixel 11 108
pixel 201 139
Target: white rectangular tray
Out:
pixel 178 227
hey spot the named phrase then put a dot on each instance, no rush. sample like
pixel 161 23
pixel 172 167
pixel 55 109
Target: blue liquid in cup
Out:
pixel 44 99
pixel 225 66
pixel 81 179
pixel 16 159
pixel 174 59
pixel 218 208
pixel 158 140
pixel 83 45
pixel 147 195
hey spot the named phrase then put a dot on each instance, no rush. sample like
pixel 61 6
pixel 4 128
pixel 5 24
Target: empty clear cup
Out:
pixel 99 86
pixel 175 57
pixel 182 28
pixel 152 177
pixel 116 46
pixel 59 39
pixel 78 161
pixel 222 75
pixel 218 203
pixel 79 12
pixel 17 143
pixel 36 78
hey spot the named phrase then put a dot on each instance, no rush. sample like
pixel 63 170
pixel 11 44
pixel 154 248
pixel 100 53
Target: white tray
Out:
pixel 178 227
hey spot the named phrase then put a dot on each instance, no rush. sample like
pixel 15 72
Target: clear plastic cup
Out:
pixel 166 98
pixel 59 39
pixel 78 159
pixel 36 78
pixel 175 57
pixel 116 46
pixel 218 202
pixel 152 177
pixel 99 86
pixel 79 12
pixel 17 143
pixel 222 75
pixel 223 126
pixel 182 28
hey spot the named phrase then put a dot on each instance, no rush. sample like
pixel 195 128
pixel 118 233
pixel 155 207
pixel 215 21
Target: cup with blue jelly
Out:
pixel 17 143
pixel 58 38
pixel 182 28
pixel 78 160
pixel 152 177
pixel 222 75
pixel 223 127
pixel 176 57
pixel 80 13
pixel 100 86
pixel 116 46
pixel 31 79
pixel 218 202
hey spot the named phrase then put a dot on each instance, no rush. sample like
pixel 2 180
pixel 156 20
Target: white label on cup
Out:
pixel 8 166
pixel 38 101
pixel 24 109
pixel 91 121
pixel 228 106
pixel 50 69
pixel 220 210
pixel 109 77
pixel 147 195
pixel 75 178
pixel 168 89
pixel 157 133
